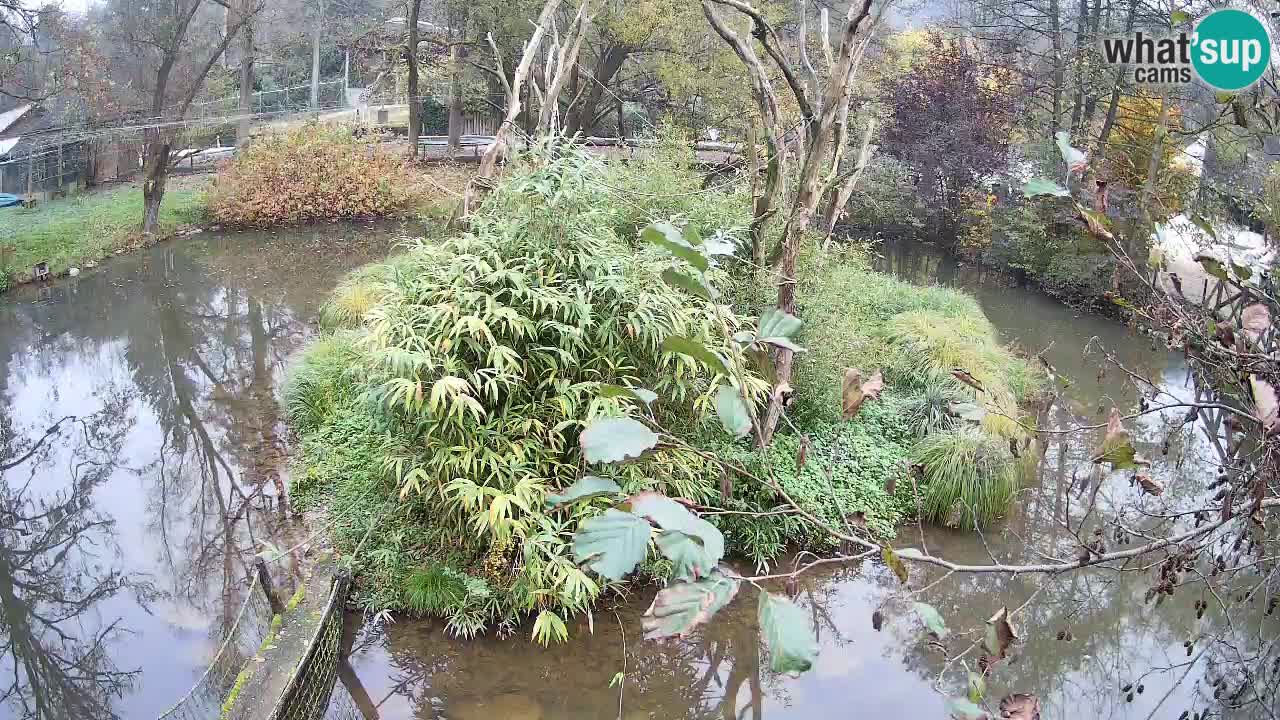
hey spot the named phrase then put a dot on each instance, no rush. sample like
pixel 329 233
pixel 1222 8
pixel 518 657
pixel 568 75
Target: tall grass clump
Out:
pixel 465 369
pixel 310 173
pixel 969 477
pixel 855 317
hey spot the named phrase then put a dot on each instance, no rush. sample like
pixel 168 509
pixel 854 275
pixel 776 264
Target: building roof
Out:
pixel 9 117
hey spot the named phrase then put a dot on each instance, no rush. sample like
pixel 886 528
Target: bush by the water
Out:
pixel 465 372
pixel 442 406
pixel 310 173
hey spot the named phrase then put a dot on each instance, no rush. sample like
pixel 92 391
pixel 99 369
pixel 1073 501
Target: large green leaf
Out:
pixel 793 644
pixel 697 351
pixel 690 557
pixel 668 237
pixel 932 619
pixel 1074 157
pixel 965 709
pixel 612 544
pixel 673 517
pixel 777 328
pixel 611 440
pixel 589 486
pixel 732 411
pixel 682 606
pixel 1042 186
pixel 692 284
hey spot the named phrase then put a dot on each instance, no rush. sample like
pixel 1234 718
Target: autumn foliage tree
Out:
pixel 949 120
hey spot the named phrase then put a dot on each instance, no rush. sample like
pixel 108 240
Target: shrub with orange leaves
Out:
pixel 310 173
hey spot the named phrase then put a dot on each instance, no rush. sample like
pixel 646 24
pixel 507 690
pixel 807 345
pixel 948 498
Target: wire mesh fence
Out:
pixel 239 644
pixel 309 691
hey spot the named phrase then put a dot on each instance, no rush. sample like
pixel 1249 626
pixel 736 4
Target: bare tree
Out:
pixel 821 106
pixel 179 44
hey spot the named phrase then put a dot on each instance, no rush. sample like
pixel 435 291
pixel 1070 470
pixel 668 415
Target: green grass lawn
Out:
pixel 88 227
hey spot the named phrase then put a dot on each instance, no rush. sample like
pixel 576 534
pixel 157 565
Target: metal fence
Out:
pixel 291 99
pixel 307 696
pixel 45 170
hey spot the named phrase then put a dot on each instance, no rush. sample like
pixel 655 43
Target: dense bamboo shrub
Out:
pixel 310 173
pixel 476 360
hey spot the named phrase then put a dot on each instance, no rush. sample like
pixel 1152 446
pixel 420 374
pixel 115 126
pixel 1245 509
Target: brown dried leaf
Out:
pixel 1020 706
pixel 872 387
pixel 1000 634
pixel 855 391
pixel 1117 445
pixel 851 393
pixel 1148 485
pixel 891 484
pixel 1256 320
pixel 1266 403
pixel 963 376
pixel 802 452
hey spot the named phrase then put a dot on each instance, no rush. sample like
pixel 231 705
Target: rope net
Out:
pixel 240 642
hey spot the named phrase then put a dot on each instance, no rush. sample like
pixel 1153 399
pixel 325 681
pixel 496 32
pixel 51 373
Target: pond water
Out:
pixel 140 460
pixel 1086 635
pixel 140 469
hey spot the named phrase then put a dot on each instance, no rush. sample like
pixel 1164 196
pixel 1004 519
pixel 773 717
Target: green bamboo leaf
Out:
pixel 611 440
pixel 977 687
pixel 645 396
pixel 732 411
pixel 694 285
pixel 612 544
pixel 589 486
pixel 793 644
pixel 668 237
pixel 697 351
pixel 1042 186
pixel 932 620
pixel 1178 17
pixel 1203 223
pixel 691 235
pixel 682 606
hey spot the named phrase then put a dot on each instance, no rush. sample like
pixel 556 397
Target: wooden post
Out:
pixel 31 172
pixel 264 579
pixel 61 166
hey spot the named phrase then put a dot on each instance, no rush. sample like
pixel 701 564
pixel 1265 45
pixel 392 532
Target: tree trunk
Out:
pixel 455 100
pixel 482 183
pixel 315 56
pixel 246 80
pixel 155 173
pixel 1059 72
pixel 1082 32
pixel 411 57
pixel 582 118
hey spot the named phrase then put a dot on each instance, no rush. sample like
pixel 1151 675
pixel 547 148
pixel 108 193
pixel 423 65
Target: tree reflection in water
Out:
pixel 58 568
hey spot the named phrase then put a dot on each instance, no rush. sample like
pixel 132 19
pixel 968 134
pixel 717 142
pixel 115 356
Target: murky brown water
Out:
pixel 124 535
pixel 411 669
pixel 140 448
